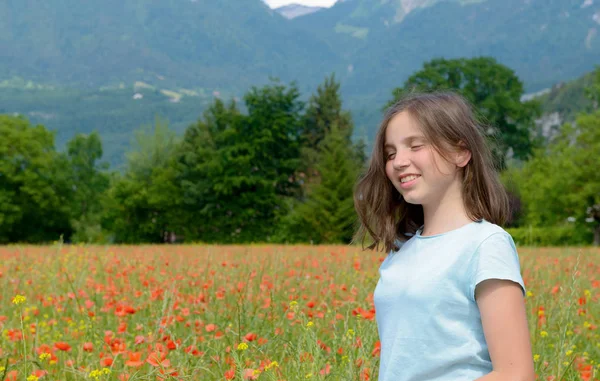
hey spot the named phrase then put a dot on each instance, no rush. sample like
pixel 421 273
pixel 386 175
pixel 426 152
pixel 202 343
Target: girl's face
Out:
pixel 417 171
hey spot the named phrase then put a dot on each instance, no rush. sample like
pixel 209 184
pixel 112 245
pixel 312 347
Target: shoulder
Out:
pixel 486 229
pixel 469 239
pixel 495 257
pixel 487 233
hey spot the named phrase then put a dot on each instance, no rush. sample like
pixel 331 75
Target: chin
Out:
pixel 411 200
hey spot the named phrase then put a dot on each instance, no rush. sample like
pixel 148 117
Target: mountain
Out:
pixel 544 41
pixel 224 45
pixel 185 52
pixel 292 11
pixel 564 101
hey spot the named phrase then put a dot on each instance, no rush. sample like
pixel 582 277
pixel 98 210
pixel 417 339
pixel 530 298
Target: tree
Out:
pixel 562 182
pixel 144 202
pixel 201 162
pixel 593 91
pixel 88 182
pixel 494 90
pixel 328 214
pixel 324 109
pixel 237 170
pixel 33 184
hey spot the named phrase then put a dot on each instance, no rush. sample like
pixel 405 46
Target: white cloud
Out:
pixel 314 3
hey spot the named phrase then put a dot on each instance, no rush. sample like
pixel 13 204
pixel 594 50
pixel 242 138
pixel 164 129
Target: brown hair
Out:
pixel 446 120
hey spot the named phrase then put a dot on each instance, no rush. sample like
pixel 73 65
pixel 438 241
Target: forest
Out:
pixel 273 168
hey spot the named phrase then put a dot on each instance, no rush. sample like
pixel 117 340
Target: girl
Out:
pixel 449 300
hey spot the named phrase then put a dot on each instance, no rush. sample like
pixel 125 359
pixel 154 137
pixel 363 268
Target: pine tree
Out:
pixel 324 109
pixel 328 214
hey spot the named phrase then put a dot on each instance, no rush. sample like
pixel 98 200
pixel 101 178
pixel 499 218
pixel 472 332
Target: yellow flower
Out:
pixel 32 378
pixel 96 374
pixel 350 333
pixel 256 372
pixel 19 299
pixel 587 293
pixel 2 369
pixel 309 375
pixel 44 356
pixel 536 358
pixel 309 324
pixel 569 353
pixel 273 364
pixel 543 334
pixel 529 294
pixel 242 346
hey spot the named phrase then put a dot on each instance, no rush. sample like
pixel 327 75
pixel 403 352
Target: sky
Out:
pixel 315 3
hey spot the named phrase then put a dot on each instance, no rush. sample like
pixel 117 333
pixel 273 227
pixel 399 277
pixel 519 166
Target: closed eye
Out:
pixel 416 147
pixel 390 155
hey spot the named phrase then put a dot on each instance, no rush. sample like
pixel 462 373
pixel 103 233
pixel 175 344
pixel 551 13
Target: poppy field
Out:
pixel 254 312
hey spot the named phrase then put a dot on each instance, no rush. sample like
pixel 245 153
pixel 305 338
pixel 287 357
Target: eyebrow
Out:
pixel 408 139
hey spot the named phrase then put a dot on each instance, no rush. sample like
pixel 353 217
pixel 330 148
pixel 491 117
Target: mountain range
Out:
pixel 193 50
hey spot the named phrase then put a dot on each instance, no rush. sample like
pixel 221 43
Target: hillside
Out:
pixel 388 40
pixel 224 45
pixel 187 52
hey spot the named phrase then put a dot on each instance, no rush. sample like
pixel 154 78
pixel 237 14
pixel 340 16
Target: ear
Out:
pixel 462 157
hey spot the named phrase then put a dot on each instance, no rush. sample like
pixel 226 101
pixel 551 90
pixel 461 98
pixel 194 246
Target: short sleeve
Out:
pixel 496 258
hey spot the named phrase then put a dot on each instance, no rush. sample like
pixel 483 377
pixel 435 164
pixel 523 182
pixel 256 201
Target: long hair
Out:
pixel 446 120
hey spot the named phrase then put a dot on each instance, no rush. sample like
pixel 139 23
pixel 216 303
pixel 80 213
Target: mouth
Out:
pixel 409 178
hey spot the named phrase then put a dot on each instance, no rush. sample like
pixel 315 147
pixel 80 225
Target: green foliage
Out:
pixel 238 170
pixel 562 182
pixel 593 91
pixel 569 99
pixel 142 204
pixel 494 90
pixel 153 147
pixel 325 213
pixel 113 112
pixel 328 214
pixel 89 183
pixel 267 171
pixel 324 109
pixel 34 188
pixel 239 44
pixel 560 235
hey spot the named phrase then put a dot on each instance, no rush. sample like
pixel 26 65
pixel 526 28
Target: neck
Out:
pixel 446 214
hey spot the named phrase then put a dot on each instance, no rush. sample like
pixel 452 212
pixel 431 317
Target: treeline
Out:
pixel 275 169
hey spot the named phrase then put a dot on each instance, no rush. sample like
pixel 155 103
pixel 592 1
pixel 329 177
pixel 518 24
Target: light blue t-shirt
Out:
pixel 428 321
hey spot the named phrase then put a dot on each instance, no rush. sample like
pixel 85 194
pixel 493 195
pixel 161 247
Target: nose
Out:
pixel 401 160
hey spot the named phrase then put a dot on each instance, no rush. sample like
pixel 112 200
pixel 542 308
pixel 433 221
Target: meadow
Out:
pixel 247 312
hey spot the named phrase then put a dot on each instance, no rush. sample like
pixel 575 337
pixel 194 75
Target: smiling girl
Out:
pixel 450 298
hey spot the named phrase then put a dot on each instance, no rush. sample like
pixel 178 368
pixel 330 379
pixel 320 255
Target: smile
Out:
pixel 409 178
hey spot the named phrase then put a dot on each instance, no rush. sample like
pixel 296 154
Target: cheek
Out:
pixel 389 170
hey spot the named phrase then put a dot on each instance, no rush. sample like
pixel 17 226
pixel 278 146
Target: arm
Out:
pixel 506 331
